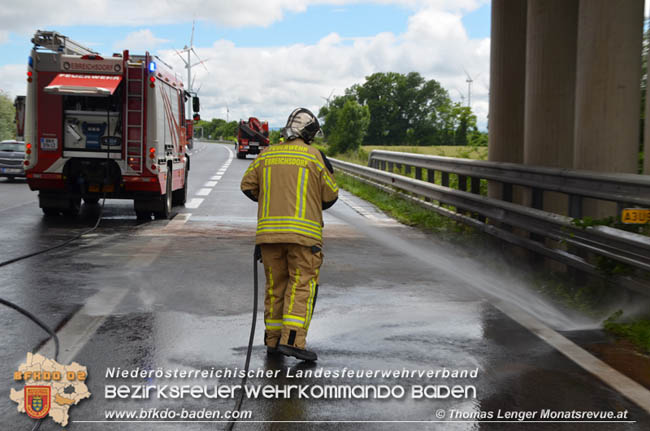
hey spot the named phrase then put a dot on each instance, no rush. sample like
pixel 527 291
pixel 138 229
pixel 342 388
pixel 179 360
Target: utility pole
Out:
pixel 188 65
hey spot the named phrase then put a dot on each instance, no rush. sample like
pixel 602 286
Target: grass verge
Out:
pixel 406 212
pixel 637 331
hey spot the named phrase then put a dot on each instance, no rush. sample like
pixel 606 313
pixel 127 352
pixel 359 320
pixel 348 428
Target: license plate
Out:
pixel 635 216
pixel 49 144
pixel 11 171
pixel 254 144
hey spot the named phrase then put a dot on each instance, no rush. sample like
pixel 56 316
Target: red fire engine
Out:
pixel 97 127
pixel 252 137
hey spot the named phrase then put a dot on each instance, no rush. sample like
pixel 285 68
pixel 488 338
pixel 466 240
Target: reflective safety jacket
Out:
pixel 292 184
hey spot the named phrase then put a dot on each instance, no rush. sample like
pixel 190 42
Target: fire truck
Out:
pixel 252 137
pixel 19 104
pixel 112 127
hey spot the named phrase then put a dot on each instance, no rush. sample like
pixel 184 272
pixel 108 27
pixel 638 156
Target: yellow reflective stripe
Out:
pixel 304 221
pixel 303 204
pixel 271 297
pixel 273 324
pixel 331 183
pixel 310 302
pixel 301 177
pixel 288 224
pixel 293 290
pixel 291 317
pixel 289 230
pixel 267 192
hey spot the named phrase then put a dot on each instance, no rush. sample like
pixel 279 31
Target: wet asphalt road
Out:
pixel 178 295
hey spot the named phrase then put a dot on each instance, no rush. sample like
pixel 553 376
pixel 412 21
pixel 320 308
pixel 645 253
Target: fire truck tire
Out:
pixel 165 203
pixel 179 197
pixel 51 212
pixel 241 155
pixel 73 208
pixel 91 200
pixel 143 215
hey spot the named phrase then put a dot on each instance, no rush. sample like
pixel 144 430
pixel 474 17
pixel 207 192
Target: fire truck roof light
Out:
pixel 152 67
pixel 30 61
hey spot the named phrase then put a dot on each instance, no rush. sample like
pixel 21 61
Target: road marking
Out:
pixel 18 205
pixel 74 335
pixel 194 203
pixel 620 382
pixel 178 221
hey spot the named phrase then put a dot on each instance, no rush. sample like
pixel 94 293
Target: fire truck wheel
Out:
pixel 179 197
pixel 165 200
pixel 73 209
pixel 143 215
pixel 51 212
pixel 241 155
pixel 91 200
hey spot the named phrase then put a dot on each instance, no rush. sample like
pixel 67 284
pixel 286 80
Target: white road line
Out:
pixel 620 382
pixel 178 221
pixel 203 192
pixel 216 178
pixel 83 325
pixel 194 203
pixel 210 184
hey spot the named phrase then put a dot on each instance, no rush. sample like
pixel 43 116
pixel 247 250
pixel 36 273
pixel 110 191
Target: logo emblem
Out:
pixel 37 401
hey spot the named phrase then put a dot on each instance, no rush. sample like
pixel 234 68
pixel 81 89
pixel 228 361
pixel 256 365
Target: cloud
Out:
pixel 13 79
pixel 141 40
pixel 269 82
pixel 21 16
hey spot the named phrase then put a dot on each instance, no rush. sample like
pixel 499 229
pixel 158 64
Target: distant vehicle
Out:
pixel 12 154
pixel 252 137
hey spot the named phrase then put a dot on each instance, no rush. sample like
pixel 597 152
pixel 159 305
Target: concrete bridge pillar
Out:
pixel 608 77
pixel 552 30
pixel 507 84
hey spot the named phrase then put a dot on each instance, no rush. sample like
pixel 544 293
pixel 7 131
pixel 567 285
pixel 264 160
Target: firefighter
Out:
pixel 292 183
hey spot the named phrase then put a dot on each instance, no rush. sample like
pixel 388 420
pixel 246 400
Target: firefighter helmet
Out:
pixel 301 124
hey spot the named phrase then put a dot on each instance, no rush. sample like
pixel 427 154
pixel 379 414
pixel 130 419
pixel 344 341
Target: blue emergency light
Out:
pixel 152 67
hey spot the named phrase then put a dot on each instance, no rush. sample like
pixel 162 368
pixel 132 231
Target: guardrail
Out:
pixel 498 217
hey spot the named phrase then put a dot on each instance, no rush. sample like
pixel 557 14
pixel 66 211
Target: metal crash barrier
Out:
pixel 498 217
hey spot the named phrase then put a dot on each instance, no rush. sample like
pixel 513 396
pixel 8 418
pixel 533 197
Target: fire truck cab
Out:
pixel 98 127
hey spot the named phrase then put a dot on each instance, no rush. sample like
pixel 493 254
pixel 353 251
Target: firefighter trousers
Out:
pixel 291 290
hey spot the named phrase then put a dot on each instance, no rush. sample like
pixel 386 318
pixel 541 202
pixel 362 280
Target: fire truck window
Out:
pixel 88 103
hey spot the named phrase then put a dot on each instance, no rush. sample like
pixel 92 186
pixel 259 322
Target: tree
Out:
pixel 346 124
pixel 7 117
pixel 400 107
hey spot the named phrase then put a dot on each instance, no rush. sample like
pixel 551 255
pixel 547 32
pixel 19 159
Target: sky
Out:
pixel 265 58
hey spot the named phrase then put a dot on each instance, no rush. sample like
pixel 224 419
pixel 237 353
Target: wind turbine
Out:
pixel 469 81
pixel 188 65
pixel 462 96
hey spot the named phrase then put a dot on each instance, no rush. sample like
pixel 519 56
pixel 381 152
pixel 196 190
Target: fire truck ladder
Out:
pixel 59 43
pixel 135 114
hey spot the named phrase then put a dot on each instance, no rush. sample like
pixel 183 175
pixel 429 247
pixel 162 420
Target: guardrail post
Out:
pixel 475 187
pixel 445 179
pixel 418 173
pixel 390 167
pixel 506 192
pixel 383 165
pixel 537 203
pixel 431 176
pixel 575 206
pixel 462 183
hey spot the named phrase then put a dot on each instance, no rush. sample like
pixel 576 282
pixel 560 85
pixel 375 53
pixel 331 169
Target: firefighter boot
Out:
pixel 302 354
